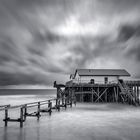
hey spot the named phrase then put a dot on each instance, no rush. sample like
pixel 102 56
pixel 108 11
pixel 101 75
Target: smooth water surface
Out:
pixel 83 122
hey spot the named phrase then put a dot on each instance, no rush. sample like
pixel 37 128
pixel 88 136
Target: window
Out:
pixel 106 80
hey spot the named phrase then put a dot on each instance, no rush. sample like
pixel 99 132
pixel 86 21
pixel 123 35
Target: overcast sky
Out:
pixel 46 40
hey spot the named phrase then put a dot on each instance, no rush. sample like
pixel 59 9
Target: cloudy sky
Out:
pixel 46 40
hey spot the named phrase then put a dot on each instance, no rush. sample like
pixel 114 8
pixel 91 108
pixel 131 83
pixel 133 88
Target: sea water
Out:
pixel 22 96
pixel 86 121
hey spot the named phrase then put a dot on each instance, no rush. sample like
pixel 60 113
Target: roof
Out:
pixel 102 72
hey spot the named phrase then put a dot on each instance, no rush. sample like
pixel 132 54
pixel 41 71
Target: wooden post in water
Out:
pixel 75 100
pixel 56 104
pixel 138 95
pixel 65 102
pixel 21 117
pixel 38 111
pixel 62 100
pixel 98 92
pixel 91 97
pixel 70 101
pixel 6 117
pixel 25 111
pixel 118 94
pixel 50 107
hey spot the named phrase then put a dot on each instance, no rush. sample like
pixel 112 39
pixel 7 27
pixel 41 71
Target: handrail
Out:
pixel 4 105
pixel 30 104
pixel 22 105
pixel 24 112
pixel 132 82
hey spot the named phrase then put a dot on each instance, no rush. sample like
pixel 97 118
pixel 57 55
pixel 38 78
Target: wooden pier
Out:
pixel 46 106
pixel 121 92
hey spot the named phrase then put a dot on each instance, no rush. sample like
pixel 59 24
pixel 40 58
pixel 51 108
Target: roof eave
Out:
pixel 102 75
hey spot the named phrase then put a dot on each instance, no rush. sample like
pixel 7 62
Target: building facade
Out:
pixel 98 76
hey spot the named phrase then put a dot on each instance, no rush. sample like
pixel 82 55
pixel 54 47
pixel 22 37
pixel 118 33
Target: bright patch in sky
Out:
pixel 72 27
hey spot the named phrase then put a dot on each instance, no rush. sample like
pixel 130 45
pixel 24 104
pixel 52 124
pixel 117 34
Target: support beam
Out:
pixel 101 95
pixel 115 93
pixel 98 94
pixel 92 97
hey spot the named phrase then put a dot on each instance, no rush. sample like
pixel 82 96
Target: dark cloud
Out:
pixel 128 31
pixel 9 52
pixel 42 40
pixel 131 35
pixel 113 7
pixel 134 52
pixel 22 79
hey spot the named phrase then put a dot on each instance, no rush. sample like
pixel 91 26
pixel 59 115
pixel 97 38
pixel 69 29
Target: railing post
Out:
pixel 6 117
pixel 25 111
pixel 38 111
pixel 50 107
pixel 21 117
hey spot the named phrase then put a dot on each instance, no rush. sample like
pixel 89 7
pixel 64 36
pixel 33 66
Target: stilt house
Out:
pixel 101 85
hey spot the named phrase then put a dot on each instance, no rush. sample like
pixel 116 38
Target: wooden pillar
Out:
pixel 70 102
pixel 113 95
pixel 6 117
pixel 65 102
pixel 21 117
pixel 58 104
pixel 117 94
pixel 106 96
pixel 58 92
pixel 135 94
pixel 98 92
pixel 38 110
pixel 138 94
pixel 92 97
pixel 25 111
pixel 75 100
pixel 50 107
pixel 81 97
pixel 62 100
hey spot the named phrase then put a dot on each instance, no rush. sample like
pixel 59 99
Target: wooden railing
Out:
pixel 45 106
pixel 136 83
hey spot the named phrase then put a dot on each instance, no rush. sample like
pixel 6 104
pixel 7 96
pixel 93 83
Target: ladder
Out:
pixel 127 93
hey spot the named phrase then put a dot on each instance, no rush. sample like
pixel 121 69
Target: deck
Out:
pixel 120 91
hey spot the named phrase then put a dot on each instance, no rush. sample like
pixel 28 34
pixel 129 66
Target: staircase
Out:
pixel 127 93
